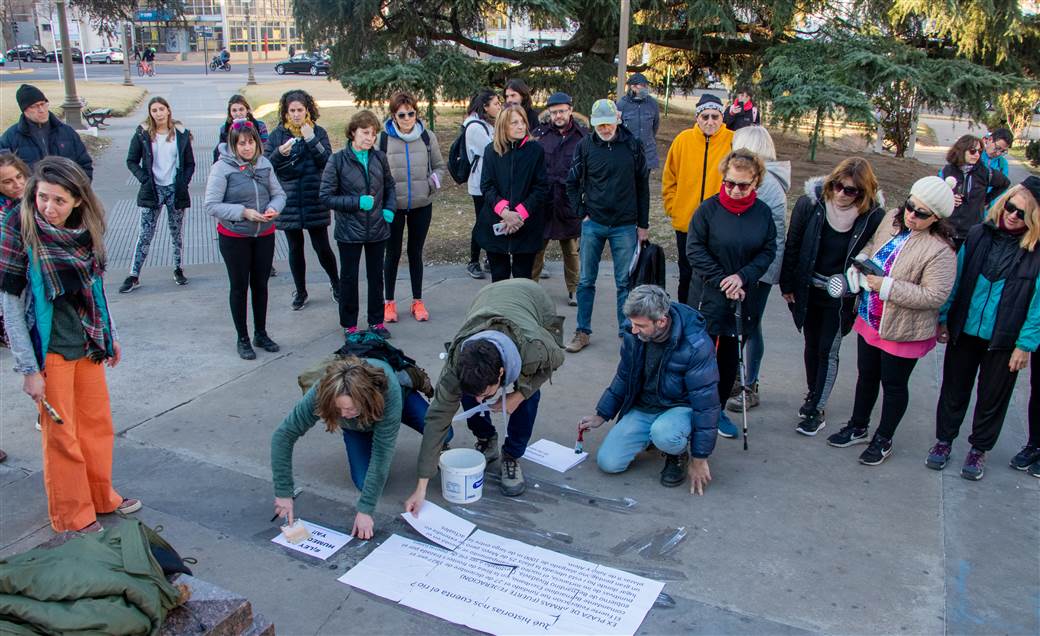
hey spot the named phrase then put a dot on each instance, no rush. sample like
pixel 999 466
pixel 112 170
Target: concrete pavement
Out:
pixel 792 536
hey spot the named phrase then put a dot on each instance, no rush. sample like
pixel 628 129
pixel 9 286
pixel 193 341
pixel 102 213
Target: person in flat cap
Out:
pixel 992 324
pixel 39 133
pixel 642 116
pixel 559 135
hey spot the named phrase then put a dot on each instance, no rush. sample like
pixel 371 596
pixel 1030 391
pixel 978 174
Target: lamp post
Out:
pixel 250 79
pixel 126 55
pixel 622 60
pixel 71 107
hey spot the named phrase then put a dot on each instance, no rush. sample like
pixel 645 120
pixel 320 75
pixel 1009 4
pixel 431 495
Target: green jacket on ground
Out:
pixel 105 583
pixel 384 438
pixel 522 310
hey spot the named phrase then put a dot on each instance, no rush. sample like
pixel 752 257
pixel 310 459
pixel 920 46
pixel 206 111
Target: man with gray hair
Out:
pixel 665 391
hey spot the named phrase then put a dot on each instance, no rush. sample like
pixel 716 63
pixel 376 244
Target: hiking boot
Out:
pixel 974 465
pixel 1026 457
pixel 130 284
pixel 473 269
pixel 727 428
pixel 749 394
pixel 178 276
pixel 489 447
pixel 513 484
pixel 849 435
pixel 734 390
pixel 261 339
pixel 245 350
pixel 674 472
pixel 578 342
pixel 380 330
pixel 808 405
pixel 877 451
pixel 419 311
pixel 571 300
pixel 811 424
pixel 389 311
pixel 938 456
pixel 299 300
pixel 128 506
pixel 335 292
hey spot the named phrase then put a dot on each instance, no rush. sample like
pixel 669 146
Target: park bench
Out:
pixel 96 116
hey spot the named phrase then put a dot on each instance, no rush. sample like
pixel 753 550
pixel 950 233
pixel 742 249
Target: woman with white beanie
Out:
pixel 898 314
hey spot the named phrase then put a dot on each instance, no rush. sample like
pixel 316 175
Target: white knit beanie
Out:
pixel 934 193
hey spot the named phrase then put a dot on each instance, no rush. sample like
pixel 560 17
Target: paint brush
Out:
pixel 579 445
pixel 51 412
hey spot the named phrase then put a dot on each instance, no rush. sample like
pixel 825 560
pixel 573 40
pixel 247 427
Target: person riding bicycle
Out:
pixel 149 55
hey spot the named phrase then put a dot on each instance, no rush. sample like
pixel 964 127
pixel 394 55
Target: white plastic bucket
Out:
pixel 462 475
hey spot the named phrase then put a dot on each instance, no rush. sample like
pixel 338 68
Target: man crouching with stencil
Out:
pixel 508 346
pixel 665 391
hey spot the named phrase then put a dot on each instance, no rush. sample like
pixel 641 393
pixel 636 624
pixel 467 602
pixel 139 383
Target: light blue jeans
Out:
pixel 669 431
pixel 594 236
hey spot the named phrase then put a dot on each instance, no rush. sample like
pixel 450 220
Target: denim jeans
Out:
pixel 359 443
pixel 669 431
pixel 622 241
pixel 518 430
pixel 755 345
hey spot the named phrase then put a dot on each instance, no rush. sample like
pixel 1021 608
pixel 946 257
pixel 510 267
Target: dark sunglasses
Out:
pixel 1014 210
pixel 918 213
pixel 849 191
pixel 709 116
pixel 407 115
pixel 239 124
pixel 975 151
pixel 736 185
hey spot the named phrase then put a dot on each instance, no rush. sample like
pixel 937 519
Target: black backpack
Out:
pixel 649 269
pixel 365 344
pixel 459 166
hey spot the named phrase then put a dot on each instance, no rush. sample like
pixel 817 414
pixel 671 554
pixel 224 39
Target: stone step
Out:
pixel 212 611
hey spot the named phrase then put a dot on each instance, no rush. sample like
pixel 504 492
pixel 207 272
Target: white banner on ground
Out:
pixel 322 544
pixel 506 587
pixel 440 526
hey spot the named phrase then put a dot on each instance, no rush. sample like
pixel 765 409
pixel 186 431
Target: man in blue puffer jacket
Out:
pixel 665 391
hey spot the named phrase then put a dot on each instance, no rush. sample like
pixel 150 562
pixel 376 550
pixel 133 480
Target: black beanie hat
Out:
pixel 1032 183
pixel 707 101
pixel 27 95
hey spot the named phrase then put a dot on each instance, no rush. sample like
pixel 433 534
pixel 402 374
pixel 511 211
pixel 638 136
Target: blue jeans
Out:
pixel 359 443
pixel 622 241
pixel 518 430
pixel 669 431
pixel 755 346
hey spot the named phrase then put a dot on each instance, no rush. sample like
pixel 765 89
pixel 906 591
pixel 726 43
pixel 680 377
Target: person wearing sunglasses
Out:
pixel 418 169
pixel 830 224
pixel 731 246
pixel 298 149
pixel 689 177
pixel 992 323
pixel 897 319
pixel 977 186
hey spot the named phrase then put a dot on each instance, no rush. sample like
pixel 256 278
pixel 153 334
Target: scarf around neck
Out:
pixel 737 206
pixel 841 219
pixel 294 130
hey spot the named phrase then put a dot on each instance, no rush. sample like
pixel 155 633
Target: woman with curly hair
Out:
pixel 238 108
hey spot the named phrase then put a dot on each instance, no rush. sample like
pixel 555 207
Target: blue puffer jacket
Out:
pixel 689 374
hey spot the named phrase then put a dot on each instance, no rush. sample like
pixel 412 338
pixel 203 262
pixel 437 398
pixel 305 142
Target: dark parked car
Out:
pixel 28 53
pixel 303 63
pixel 77 55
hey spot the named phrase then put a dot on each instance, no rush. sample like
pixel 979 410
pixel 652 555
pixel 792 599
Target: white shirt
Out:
pixel 164 160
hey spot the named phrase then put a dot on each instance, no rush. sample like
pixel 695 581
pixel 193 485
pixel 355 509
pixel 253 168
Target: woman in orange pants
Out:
pixel 52 258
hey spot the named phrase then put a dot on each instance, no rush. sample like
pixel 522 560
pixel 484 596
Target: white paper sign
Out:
pixel 440 526
pixel 322 544
pixel 501 586
pixel 553 455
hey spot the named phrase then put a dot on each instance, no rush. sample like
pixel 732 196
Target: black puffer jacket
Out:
pixel 300 176
pixel 343 183
pixel 139 160
pixel 979 187
pixel 511 180
pixel 62 141
pixel 803 247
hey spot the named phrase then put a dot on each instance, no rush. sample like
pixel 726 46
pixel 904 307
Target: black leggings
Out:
pixel 1034 399
pixel 350 263
pixel 822 333
pixel 298 263
pixel 729 365
pixel 418 220
pixel 474 248
pixel 505 265
pixel 248 261
pixel 966 358
pixel 877 370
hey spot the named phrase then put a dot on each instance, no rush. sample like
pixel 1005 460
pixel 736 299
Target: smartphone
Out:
pixel 499 228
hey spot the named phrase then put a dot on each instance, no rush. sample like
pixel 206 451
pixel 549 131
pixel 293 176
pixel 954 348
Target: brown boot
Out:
pixel 579 342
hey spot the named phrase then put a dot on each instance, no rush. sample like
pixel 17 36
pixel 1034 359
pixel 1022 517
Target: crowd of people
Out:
pixel 955 263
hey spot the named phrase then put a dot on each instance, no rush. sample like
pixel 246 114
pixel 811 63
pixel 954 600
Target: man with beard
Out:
pixel 664 392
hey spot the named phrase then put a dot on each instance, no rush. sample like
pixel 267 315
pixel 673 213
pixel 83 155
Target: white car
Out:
pixel 109 55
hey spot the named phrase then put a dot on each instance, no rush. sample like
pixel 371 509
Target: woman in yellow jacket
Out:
pixel 693 161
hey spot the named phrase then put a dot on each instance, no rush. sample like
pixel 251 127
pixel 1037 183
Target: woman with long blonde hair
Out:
pixel 992 325
pixel 52 263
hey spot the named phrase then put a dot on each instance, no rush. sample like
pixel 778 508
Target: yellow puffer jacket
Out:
pixel 691 172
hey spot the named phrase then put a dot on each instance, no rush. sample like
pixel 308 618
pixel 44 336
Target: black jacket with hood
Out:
pixel 344 182
pixel 514 179
pixel 608 180
pixel 300 176
pixel 139 160
pixel 978 187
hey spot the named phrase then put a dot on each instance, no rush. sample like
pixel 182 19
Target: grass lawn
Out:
pixel 121 99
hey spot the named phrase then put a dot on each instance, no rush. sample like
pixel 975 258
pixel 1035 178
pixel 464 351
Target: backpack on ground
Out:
pixel 459 165
pixel 364 344
pixel 647 266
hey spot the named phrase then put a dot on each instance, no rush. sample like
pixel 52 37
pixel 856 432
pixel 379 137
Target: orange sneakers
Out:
pixel 389 311
pixel 419 311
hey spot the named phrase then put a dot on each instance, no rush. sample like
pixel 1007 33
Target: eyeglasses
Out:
pixel 239 124
pixel 849 191
pixel 1014 210
pixel 407 115
pixel 737 185
pixel 918 213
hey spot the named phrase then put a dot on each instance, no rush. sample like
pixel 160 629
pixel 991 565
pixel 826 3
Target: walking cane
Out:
pixel 740 361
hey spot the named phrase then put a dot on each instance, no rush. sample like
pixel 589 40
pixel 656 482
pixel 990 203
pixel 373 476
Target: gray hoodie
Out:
pixel 235 185
pixel 773 192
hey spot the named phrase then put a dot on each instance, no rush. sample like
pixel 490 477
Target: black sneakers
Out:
pixel 178 276
pixel 473 269
pixel 849 435
pixel 245 350
pixel 335 292
pixel 877 451
pixel 808 404
pixel 1026 457
pixel 299 300
pixel 674 472
pixel 812 423
pixel 130 284
pixel 260 339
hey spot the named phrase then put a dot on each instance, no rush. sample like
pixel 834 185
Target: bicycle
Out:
pixel 145 68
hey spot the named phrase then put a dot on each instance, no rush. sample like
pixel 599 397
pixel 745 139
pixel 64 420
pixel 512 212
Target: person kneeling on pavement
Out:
pixel 665 391
pixel 511 338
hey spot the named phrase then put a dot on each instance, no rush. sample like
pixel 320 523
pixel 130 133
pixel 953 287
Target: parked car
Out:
pixel 77 55
pixel 27 53
pixel 303 63
pixel 3 59
pixel 106 55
